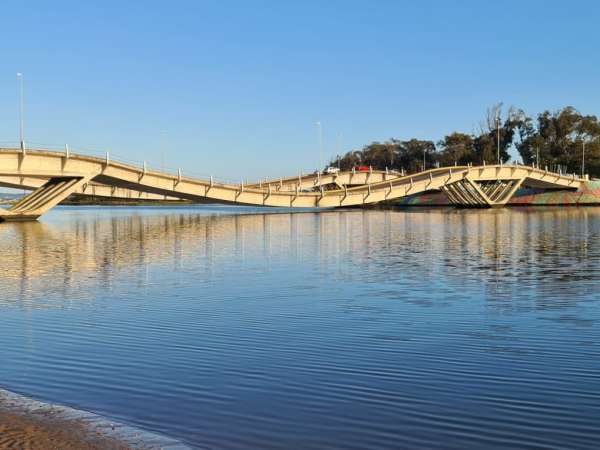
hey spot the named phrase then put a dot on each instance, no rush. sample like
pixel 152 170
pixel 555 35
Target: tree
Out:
pixel 486 143
pixel 558 139
pixel 457 149
pixel 528 145
pixel 552 139
pixel 417 155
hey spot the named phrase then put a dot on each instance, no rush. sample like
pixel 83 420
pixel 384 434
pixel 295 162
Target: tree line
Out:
pixel 552 139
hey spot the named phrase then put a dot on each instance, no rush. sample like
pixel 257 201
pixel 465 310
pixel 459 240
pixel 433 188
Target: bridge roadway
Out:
pixel 64 174
pixel 315 180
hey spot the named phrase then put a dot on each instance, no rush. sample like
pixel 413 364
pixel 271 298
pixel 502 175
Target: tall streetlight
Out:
pixel 498 136
pixel 339 148
pixel 583 160
pixel 21 107
pixel 583 156
pixel 163 149
pixel 584 139
pixel 320 135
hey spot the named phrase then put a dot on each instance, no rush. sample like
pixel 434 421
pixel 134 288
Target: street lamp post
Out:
pixel 498 136
pixel 21 107
pixel 163 148
pixel 583 160
pixel 320 131
pixel 339 148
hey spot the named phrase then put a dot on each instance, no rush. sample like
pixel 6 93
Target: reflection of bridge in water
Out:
pixel 496 246
pixel 53 176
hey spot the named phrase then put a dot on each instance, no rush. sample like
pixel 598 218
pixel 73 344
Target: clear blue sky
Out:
pixel 234 88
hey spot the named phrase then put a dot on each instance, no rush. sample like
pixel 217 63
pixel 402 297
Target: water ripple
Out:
pixel 436 329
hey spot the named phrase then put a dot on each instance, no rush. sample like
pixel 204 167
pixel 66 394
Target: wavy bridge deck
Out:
pixel 53 176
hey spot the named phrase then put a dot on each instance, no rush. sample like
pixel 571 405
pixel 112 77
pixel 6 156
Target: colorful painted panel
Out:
pixel 589 194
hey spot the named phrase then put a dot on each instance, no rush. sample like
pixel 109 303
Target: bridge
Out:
pixel 314 180
pixel 53 176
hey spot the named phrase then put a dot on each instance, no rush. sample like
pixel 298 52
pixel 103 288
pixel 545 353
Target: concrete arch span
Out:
pixel 482 186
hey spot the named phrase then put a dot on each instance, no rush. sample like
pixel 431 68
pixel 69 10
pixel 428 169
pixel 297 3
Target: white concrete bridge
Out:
pixel 53 176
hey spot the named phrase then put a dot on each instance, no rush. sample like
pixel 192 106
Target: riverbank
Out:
pixel 43 431
pixel 29 424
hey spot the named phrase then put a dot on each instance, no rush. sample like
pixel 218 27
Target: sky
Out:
pixel 234 89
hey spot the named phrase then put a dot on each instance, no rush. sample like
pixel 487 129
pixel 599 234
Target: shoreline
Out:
pixel 28 423
pixel 18 431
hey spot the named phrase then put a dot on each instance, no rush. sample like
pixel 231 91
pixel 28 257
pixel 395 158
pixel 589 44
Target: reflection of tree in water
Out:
pixel 515 258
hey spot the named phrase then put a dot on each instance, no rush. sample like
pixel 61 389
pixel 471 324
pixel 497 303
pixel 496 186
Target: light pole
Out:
pixel 163 149
pixel 583 160
pixel 498 136
pixel 21 107
pixel 424 153
pixel 320 133
pixel 339 148
pixel 584 139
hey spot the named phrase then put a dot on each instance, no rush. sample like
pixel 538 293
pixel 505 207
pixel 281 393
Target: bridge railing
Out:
pixel 119 158
pixel 185 172
pixel 149 165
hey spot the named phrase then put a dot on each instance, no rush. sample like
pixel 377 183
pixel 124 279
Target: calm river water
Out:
pixel 237 329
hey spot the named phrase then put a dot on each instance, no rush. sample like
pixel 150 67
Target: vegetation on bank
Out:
pixel 551 139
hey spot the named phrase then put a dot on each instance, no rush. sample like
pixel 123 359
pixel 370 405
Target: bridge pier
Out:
pixel 38 202
pixel 468 193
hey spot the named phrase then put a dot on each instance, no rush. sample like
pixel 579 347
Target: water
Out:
pixel 235 329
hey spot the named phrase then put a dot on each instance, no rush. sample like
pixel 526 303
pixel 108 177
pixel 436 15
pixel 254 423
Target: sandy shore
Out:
pixel 37 432
pixel 27 424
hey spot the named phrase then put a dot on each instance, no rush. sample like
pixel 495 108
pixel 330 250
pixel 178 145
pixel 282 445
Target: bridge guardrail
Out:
pixel 118 158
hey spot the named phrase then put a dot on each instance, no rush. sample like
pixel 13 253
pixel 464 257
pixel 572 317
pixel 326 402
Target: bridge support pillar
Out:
pixel 40 201
pixel 468 193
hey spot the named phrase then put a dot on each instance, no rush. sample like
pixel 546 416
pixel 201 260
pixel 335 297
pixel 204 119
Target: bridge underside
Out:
pixel 485 194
